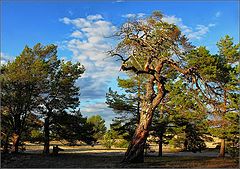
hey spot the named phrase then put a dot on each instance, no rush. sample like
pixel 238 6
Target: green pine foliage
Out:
pixel 98 124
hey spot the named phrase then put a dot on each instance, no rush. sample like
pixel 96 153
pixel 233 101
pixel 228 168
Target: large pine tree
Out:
pixel 151 46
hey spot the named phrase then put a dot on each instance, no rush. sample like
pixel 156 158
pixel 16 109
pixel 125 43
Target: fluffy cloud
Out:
pixel 5 58
pixel 200 30
pixel 97 107
pixel 77 34
pixel 192 33
pixel 173 20
pixel 130 15
pixel 94 17
pixel 89 43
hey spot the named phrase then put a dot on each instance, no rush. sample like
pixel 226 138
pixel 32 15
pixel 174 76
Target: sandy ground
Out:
pixel 100 150
pixel 100 157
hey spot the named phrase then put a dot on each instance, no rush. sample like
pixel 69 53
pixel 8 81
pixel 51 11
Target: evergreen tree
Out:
pixel 99 128
pixel 227 111
pixel 36 82
pixel 60 93
pixel 72 127
pixel 152 44
pixel 21 80
pixel 126 106
pixel 221 73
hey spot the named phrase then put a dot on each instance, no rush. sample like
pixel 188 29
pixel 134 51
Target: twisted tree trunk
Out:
pixel 135 152
pixel 151 100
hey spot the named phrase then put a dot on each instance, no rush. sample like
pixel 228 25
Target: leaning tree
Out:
pixel 151 47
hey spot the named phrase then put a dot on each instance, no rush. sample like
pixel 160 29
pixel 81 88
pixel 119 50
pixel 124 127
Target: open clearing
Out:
pixel 112 161
pixel 98 157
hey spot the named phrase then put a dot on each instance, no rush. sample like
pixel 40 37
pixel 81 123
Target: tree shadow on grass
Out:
pixel 110 160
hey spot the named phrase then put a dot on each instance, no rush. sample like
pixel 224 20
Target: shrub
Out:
pixel 233 151
pixel 121 143
pixel 36 136
pixel 109 139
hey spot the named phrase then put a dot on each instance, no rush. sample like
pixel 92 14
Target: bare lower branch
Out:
pixel 121 57
pixel 134 69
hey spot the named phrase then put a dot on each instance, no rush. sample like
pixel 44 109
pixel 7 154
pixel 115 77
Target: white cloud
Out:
pixel 192 33
pixel 172 20
pixel 77 34
pixel 89 44
pixel 200 30
pixel 96 107
pixel 130 15
pixel 140 15
pixel 211 25
pixel 65 20
pixel 78 22
pixel 94 17
pixel 5 58
pixel 218 14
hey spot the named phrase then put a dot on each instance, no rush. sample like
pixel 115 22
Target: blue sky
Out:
pixel 80 30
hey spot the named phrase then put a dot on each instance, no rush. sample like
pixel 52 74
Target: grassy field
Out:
pixel 99 157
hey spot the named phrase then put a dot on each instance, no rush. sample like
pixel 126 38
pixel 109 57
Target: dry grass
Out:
pixel 111 161
pixel 186 162
pixel 38 148
pixel 99 157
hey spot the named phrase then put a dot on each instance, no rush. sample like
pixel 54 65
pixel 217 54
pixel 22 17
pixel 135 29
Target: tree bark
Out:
pixel 222 148
pixel 16 133
pixel 135 152
pixel 160 143
pixel 46 135
pixel 15 140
